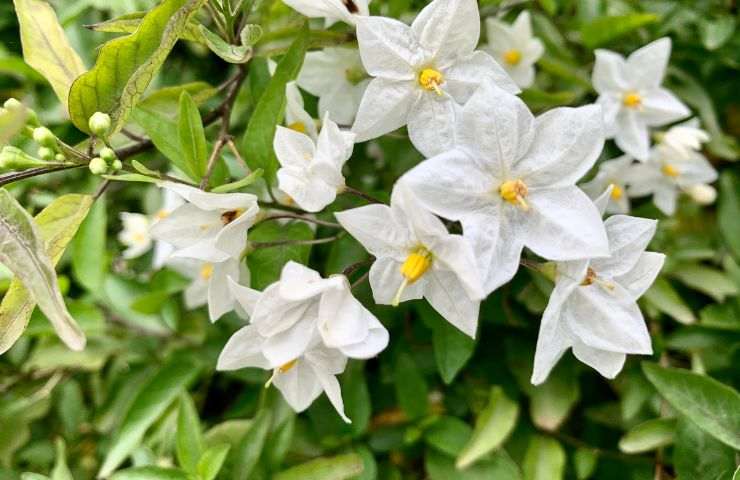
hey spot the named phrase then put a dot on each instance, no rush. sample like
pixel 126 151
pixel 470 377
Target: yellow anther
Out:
pixel 298 127
pixel 514 192
pixel 632 100
pixel 138 237
pixel 206 271
pixel 669 170
pixel 161 214
pixel 288 366
pixel 417 264
pixel 513 57
pixel 617 192
pixel 431 79
pixel 591 278
pixel 231 215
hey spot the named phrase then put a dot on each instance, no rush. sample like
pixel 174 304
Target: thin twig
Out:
pixel 356 266
pixel 282 243
pixel 274 205
pixel 34 172
pixel 132 135
pixel 360 280
pixel 296 216
pixel 101 189
pixel 235 151
pixel 215 154
pixel 363 195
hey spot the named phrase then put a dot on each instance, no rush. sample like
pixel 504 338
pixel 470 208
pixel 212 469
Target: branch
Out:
pixel 363 195
pixel 283 243
pixel 296 216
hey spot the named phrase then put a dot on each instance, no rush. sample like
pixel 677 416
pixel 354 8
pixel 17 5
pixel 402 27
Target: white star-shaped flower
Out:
pixel 666 174
pixel 311 173
pixel 208 226
pixel 337 77
pixel 631 95
pixel 135 234
pixel 331 10
pixel 612 173
pixel 511 182
pixel 421 71
pixel 593 307
pixel 682 140
pixel 514 47
pixel 296 116
pixel 303 327
pixel 416 257
pixel 163 250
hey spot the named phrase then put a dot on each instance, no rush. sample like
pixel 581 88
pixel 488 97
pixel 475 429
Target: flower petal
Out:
pixel 220 298
pixel 467 73
pixel 647 65
pixel 431 124
pixel 448 28
pixel 632 135
pixel 628 238
pixel 554 338
pixel 292 343
pixel 388 48
pixel 245 296
pixel 607 363
pixel 384 107
pixel 610 72
pixel 300 386
pixel 374 228
pixel 386 278
pixel 449 298
pixel 660 107
pixel 243 350
pixel 643 274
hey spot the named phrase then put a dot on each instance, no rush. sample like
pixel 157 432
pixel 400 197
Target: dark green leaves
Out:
pixel 258 139
pixel 341 467
pixel 452 348
pixel 729 211
pixel 605 29
pixel 126 65
pixel 192 138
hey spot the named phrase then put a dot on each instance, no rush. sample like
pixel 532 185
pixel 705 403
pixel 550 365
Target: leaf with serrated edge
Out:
pixel 26 254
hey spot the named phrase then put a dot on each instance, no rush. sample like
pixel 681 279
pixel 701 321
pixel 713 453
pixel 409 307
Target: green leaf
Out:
pixel 129 22
pixel 356 396
pixel 715 32
pixel 248 451
pixel 552 402
pixel 544 460
pixel 192 137
pixel 166 101
pixel 258 138
pixel 499 467
pixel 189 440
pixel 452 348
pixel 88 247
pixel 585 461
pixel 233 53
pixel 729 211
pixel 150 473
pixel 603 30
pixel 550 6
pixel 710 281
pixel 724 316
pixel 494 424
pixel 61 470
pixel 697 454
pixel 46 47
pixel 448 435
pixel 663 297
pixel 11 123
pixel 164 134
pixel 126 65
pixel 648 435
pixel 155 397
pixel 340 467
pixel 411 388
pixel 710 404
pixel 31 257
pixel 265 264
pixel 212 460
pixel 244 182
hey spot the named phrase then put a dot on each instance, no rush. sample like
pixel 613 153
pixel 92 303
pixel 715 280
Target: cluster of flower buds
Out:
pixel 105 162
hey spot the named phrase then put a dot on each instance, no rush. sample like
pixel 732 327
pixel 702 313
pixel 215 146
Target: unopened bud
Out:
pixel 99 124
pixel 44 137
pixel 703 194
pixel 116 165
pixel 45 153
pixel 13 104
pixel 59 157
pixel 98 166
pixel 12 158
pixel 107 154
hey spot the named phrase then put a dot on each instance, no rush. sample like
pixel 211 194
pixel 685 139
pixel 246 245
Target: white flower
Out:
pixel 337 77
pixel 416 257
pixel 163 250
pixel 421 71
pixel 511 182
pixel 593 307
pixel 303 327
pixel 210 283
pixel 514 47
pixel 312 173
pixel 666 174
pixel 683 140
pixel 209 226
pixel 135 234
pixel 296 116
pixel 631 95
pixel 702 193
pixel 612 172
pixel 331 10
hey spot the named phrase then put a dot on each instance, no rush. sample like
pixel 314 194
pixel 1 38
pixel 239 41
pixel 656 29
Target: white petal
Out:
pixel 321 360
pixel 647 65
pixel 407 210
pixel 448 28
pixel 660 107
pixel 375 342
pixel 374 228
pixel 563 224
pixel 665 199
pixel 343 320
pixel 610 72
pixel 298 282
pixel 245 296
pixel 628 238
pixel 567 143
pixel 196 294
pixel 632 134
pixel 220 298
pixel 607 363
pixel 299 385
pixel 292 343
pixel 243 350
pixel 187 225
pixel 331 387
pixel 695 170
pixel 611 105
pixel 232 238
pixel 293 149
pixel 497 243
pixel 554 337
pixel 343 101
pixel 643 274
pixel 388 48
pixel 431 124
pixel 523 75
pixel 467 73
pixel 454 253
pixel 384 107
pixel 334 145
pixel 386 278
pixel 311 194
pixel 450 299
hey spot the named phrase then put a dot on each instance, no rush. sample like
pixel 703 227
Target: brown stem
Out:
pixel 363 195
pixel 215 154
pixel 282 243
pixel 301 218
pixel 34 172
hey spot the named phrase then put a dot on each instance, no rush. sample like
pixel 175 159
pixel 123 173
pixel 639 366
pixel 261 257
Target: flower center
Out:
pixel 161 214
pixel 591 278
pixel 298 127
pixel 288 366
pixel 669 170
pixel 632 100
pixel 350 4
pixel 417 264
pixel 139 238
pixel 513 57
pixel 206 271
pixel 617 191
pixel 231 215
pixel 514 192
pixel 431 79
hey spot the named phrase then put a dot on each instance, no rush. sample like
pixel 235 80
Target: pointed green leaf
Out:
pixel 729 210
pixel 192 137
pixel 129 22
pixel 248 451
pixel 189 441
pixel 648 435
pixel 241 53
pixel 150 473
pixel 544 460
pixel 697 454
pixel 605 29
pixel 88 248
pixel 212 460
pixel 663 297
pixel 341 467
pixel 61 470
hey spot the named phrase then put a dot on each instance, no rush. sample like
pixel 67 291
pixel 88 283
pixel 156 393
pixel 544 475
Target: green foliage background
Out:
pixel 144 396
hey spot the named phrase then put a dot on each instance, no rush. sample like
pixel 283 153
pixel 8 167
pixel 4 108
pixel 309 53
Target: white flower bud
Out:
pixel 59 157
pixel 12 158
pixel 99 124
pixel 98 166
pixel 46 154
pixel 107 154
pixel 44 137
pixel 116 165
pixel 702 194
pixel 13 104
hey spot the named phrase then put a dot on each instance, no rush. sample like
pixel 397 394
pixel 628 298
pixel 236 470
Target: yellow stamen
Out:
pixel 514 192
pixel 513 57
pixel 298 127
pixel 285 368
pixel 669 170
pixel 206 271
pixel 161 214
pixel 617 192
pixel 632 100
pixel 138 237
pixel 591 278
pixel 417 264
pixel 431 79
pixel 231 215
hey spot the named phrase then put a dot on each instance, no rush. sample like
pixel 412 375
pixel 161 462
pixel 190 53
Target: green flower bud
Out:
pixel 98 166
pixel 12 158
pixel 13 104
pixel 107 154
pixel 99 124
pixel 46 154
pixel 44 137
pixel 59 157
pixel 117 165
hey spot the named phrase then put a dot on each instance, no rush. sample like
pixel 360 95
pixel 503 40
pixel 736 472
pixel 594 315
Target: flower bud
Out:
pixel 45 153
pixel 116 165
pixel 44 137
pixel 59 157
pixel 98 166
pixel 12 158
pixel 99 124
pixel 703 194
pixel 107 154
pixel 13 104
